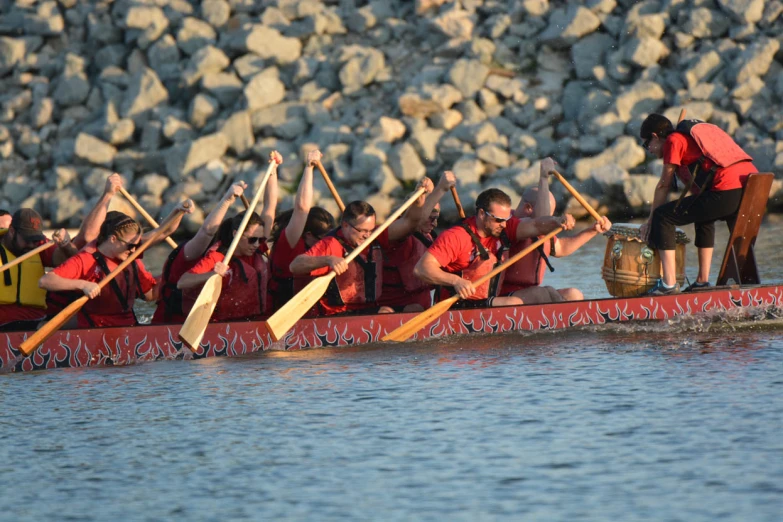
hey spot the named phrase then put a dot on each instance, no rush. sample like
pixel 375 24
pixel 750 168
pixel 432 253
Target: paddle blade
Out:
pixel 196 324
pixel 406 330
pixel 285 318
pixel 40 336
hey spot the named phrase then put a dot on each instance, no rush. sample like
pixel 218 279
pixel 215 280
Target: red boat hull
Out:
pixel 122 346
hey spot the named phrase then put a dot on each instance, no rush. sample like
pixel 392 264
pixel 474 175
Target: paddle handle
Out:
pixel 245 202
pixel 246 219
pixel 682 115
pixel 457 202
pixel 378 231
pixel 36 339
pixel 577 196
pixel 329 184
pixel 26 255
pixel 145 214
pixel 516 257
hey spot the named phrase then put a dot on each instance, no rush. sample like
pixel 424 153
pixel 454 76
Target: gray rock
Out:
pixel 17 188
pixel 63 176
pixel 645 52
pixel 267 43
pixel 703 22
pixel 477 134
pixel 568 25
pixel 429 100
pixel 211 175
pixel 152 185
pixel 176 130
pixel 239 132
pixel 12 51
pixel 183 159
pixel 119 132
pixel 205 61
pixel 446 120
pixel 638 190
pixel 65 206
pixel 468 76
pixel 92 150
pixel 202 108
pixel 405 162
pixel 389 129
pixel 625 152
pixel 248 66
pixel 145 92
pixel 755 60
pixel 743 11
pixel 361 69
pixel 383 180
pixel 455 24
pixel 73 87
pixel 151 135
pixel 195 34
pixel 215 12
pixel 368 159
pixel 590 53
pixel 641 98
pixel 149 21
pixel 41 113
pixel 469 169
pixel 164 56
pixel 425 141
pixel 226 87
pixel 493 155
pixel 264 89
pixel 725 120
pixel 703 69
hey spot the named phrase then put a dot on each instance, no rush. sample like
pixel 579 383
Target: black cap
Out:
pixel 28 224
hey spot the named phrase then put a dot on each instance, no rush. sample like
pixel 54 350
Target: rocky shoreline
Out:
pixel 183 97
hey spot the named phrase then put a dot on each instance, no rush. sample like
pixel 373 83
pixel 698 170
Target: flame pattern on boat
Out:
pixel 122 346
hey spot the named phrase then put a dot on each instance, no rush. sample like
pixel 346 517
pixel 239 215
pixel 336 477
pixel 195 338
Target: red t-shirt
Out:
pixel 10 313
pixel 682 150
pixel 330 246
pixel 237 299
pixel 394 292
pixel 84 266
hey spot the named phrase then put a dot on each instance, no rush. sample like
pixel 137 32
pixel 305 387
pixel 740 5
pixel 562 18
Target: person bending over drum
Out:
pixel 715 169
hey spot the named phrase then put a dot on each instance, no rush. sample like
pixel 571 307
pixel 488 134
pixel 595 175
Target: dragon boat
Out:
pixel 77 348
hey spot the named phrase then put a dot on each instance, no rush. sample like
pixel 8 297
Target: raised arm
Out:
pixel 91 226
pixel 446 181
pixel 303 201
pixel 410 221
pixel 543 207
pixel 270 197
pixel 534 227
pixel 196 246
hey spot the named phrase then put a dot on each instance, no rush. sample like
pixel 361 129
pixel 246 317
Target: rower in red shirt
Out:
pixel 358 284
pixel 524 278
pixel 245 278
pixel 402 290
pixel 22 302
pixel 112 306
pixel 294 232
pixel 473 248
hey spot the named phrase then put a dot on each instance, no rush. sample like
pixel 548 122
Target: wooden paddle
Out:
pixel 32 343
pixel 196 323
pixel 457 202
pixel 145 214
pixel 577 196
pixel 285 318
pixel 245 202
pixel 329 184
pixel 26 255
pixel 406 330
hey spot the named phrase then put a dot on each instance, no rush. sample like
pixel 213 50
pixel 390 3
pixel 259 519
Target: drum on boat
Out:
pixel 630 266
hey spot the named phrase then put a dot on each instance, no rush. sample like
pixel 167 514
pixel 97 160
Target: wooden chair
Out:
pixel 739 261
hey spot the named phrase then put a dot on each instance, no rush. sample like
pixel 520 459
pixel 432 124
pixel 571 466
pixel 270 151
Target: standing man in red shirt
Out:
pixel 717 170
pixel 358 284
pixel 474 247
pixel 22 302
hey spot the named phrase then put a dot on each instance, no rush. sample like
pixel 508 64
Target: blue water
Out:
pixel 611 426
pixel 678 421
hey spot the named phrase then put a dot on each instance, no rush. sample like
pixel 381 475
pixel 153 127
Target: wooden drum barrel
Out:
pixel 630 266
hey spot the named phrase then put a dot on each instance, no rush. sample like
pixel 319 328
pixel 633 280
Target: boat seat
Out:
pixel 739 261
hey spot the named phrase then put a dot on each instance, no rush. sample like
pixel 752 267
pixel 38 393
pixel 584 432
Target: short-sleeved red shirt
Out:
pixel 178 266
pixel 10 313
pixel 330 246
pixel 454 248
pixel 682 150
pixel 394 292
pixel 84 266
pixel 282 255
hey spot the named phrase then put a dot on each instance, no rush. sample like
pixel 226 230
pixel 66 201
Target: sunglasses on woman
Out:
pixel 129 246
pixel 255 240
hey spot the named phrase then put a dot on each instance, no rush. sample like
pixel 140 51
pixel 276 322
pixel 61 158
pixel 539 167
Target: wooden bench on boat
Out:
pixel 739 261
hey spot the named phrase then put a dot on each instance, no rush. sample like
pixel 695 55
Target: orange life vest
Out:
pixel 245 295
pixel 530 270
pixel 483 263
pixel 119 300
pixel 362 282
pixel 392 263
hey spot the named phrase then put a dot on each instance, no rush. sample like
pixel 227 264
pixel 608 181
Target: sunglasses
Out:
pixel 129 246
pixel 646 144
pixel 433 219
pixel 494 217
pixel 255 240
